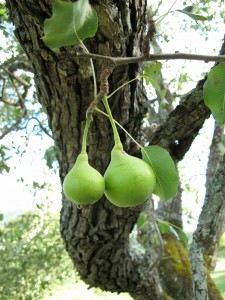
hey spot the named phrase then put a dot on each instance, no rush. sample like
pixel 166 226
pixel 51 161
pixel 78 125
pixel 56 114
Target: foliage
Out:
pixel 151 75
pixel 50 157
pixel 78 21
pixel 214 92
pixel 166 174
pixel 20 111
pixel 189 12
pixel 32 256
pixel 165 227
pixel 4 157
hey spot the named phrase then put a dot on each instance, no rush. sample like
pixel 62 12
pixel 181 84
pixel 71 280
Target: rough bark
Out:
pixel 210 226
pixel 172 209
pixel 177 133
pixel 97 237
pixel 215 155
pixel 214 160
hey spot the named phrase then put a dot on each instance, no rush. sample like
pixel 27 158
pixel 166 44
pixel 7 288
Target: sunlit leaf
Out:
pixel 141 222
pixel 151 75
pixel 188 11
pixel 214 92
pixel 70 24
pixel 183 237
pixel 164 226
pixel 166 174
pixel 50 156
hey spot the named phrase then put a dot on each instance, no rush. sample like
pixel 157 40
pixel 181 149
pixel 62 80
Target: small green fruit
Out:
pixel 83 184
pixel 129 181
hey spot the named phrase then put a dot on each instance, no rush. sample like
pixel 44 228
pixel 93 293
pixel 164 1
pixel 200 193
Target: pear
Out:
pixel 83 184
pixel 129 181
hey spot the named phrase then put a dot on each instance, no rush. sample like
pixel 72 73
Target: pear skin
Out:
pixel 129 181
pixel 83 184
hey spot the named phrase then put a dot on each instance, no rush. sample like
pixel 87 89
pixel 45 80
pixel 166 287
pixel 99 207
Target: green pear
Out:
pixel 129 181
pixel 83 184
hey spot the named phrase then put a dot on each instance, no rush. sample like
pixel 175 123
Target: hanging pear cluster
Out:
pixel 128 180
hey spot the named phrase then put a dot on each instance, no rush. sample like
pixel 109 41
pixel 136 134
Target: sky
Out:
pixel 19 196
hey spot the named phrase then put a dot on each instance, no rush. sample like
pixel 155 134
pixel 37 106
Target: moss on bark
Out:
pixel 175 272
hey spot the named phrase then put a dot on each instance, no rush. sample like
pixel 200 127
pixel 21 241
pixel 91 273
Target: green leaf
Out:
pixel 164 226
pixel 141 221
pixel 50 156
pixel 166 174
pixel 214 92
pixel 188 11
pixel 151 75
pixel 70 24
pixel 183 237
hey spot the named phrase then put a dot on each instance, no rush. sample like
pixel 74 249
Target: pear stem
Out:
pixel 92 68
pixel 118 124
pixel 117 140
pixel 84 141
pixel 123 85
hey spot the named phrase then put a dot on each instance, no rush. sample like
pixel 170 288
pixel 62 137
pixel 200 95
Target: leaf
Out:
pixel 141 221
pixel 214 92
pixel 183 237
pixel 70 24
pixel 151 75
pixel 166 174
pixel 164 226
pixel 188 11
pixel 50 156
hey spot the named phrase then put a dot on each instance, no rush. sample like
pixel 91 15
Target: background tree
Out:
pixel 97 238
pixel 32 255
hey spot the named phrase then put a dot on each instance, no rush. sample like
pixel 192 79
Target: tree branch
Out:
pixel 210 223
pixel 18 79
pixel 18 62
pixel 151 57
pixel 15 125
pixel 21 103
pixel 177 133
pixel 44 129
pixel 104 87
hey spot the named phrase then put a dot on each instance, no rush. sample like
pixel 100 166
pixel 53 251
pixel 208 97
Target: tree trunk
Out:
pixel 97 237
pixel 207 234
pixel 215 157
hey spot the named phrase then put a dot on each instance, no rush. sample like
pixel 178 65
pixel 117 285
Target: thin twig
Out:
pixel 104 87
pixel 15 125
pixel 152 57
pixel 17 78
pixel 40 125
pixel 23 113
